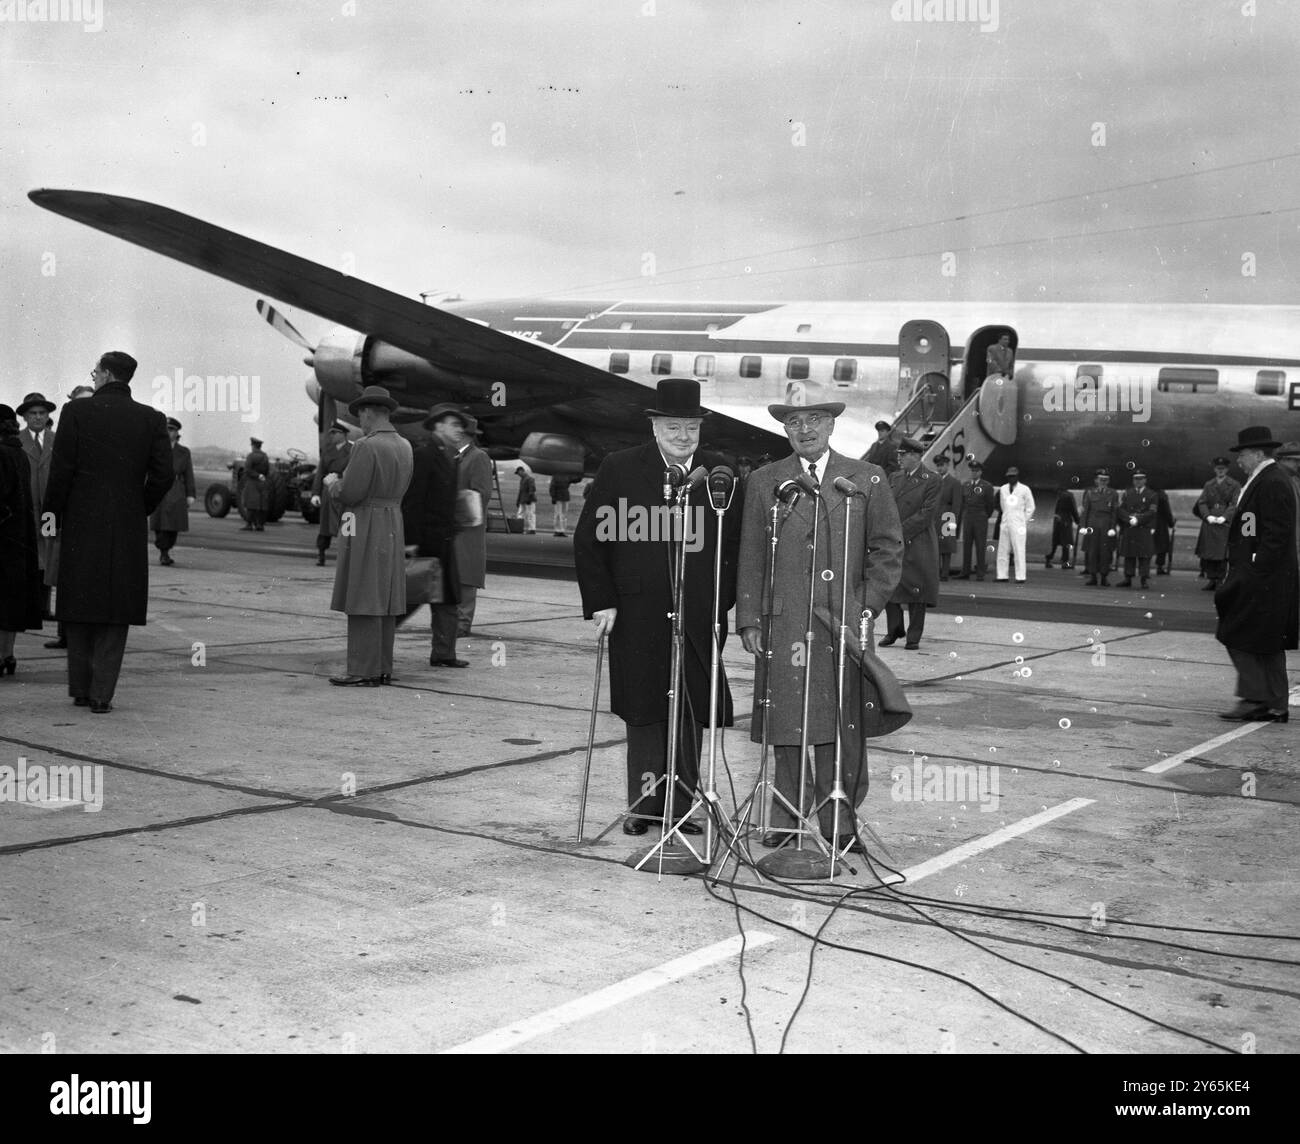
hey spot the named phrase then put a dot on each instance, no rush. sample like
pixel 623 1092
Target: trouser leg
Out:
pixel 1261 678
pixel 915 622
pixel 647 747
pixel 465 609
pixel 365 637
pixel 894 620
pixel 1130 566
pixel 1004 552
pixel 387 634
pixel 444 624
pixel 1018 537
pixel 80 644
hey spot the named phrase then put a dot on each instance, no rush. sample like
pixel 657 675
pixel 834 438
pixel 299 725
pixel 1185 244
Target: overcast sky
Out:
pixel 743 150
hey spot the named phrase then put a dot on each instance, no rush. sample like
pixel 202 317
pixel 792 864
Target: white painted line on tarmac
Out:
pixel 979 845
pixel 1200 749
pixel 511 1036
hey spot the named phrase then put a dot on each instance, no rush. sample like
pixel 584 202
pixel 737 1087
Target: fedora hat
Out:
pixel 372 395
pixel 781 412
pixel 677 397
pixel 441 410
pixel 34 399
pixel 1254 437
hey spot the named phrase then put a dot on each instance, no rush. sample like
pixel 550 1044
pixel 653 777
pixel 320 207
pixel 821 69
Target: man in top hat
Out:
pixel 916 496
pixel 1214 507
pixel 1098 528
pixel 255 488
pixel 370 579
pixel 978 499
pixel 474 472
pixel 173 515
pixel 526 499
pixel 624 567
pixel 38 444
pixel 111 468
pixel 947 514
pixel 1015 511
pixel 884 450
pixel 334 457
pixel 1137 519
pixel 1289 458
pixel 875 556
pixel 1259 600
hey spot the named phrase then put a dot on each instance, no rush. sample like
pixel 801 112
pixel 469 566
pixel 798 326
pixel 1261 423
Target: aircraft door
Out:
pixel 976 365
pixel 923 359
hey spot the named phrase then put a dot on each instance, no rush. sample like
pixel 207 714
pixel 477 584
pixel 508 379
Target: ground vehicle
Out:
pixel 290 480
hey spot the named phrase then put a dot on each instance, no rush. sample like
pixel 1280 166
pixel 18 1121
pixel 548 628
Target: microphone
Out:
pixel 692 479
pixel 788 493
pixel 806 483
pixel 673 476
pixel 847 487
pixel 722 486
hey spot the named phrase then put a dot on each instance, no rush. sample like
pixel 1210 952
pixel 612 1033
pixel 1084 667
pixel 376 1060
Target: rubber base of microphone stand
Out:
pixel 677 859
pixel 795 865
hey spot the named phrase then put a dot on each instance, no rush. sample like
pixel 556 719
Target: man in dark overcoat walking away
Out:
pixel 20 573
pixel 1258 604
pixel 111 468
pixel 173 515
pixel 623 553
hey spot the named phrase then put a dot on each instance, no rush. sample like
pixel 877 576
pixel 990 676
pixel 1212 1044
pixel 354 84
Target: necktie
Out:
pixel 37 438
pixel 812 472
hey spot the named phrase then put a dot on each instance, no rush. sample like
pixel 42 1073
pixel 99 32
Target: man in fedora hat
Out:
pixel 255 488
pixel 875 559
pixel 334 458
pixel 370 579
pixel 1289 458
pixel 1259 601
pixel 1214 507
pixel 625 576
pixel 38 445
pixel 916 491
pixel 111 468
pixel 1015 511
pixel 173 515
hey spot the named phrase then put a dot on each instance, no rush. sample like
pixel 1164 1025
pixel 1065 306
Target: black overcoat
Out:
pixel 20 574
pixel 619 567
pixel 173 515
pixel 916 495
pixel 111 468
pixel 429 513
pixel 1258 602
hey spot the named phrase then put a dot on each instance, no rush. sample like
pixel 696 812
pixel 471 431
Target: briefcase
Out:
pixel 424 582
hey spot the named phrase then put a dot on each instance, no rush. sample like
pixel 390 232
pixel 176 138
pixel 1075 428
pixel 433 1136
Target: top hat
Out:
pixel 34 399
pixel 1254 437
pixel 439 411
pixel 172 423
pixel 372 395
pixel 678 397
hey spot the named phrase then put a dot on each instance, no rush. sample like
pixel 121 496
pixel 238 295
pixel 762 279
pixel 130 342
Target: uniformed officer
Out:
pixel 884 450
pixel 255 489
pixel 978 499
pixel 1137 518
pixel 916 491
pixel 1098 525
pixel 1164 534
pixel 1215 508
pixel 947 516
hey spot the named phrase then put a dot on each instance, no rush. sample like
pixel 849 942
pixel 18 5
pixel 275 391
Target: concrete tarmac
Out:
pixel 281 865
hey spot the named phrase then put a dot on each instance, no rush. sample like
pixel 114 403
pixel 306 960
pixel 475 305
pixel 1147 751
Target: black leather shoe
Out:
pixel 81 700
pixel 448 662
pixel 57 643
pixel 691 828
pixel 99 707
pixel 320 560
pixel 962 576
pixel 888 641
pixel 1066 567
pixel 1268 715
pixel 634 826
pixel 774 838
pixel 386 679
pixel 911 646
pixel 355 680
pixel 1245 713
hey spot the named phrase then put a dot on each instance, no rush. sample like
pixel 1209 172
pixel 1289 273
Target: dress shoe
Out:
pixel 690 827
pixel 8 665
pixel 1162 571
pixel 1246 713
pixel 962 576
pixel 1047 562
pixel 320 560
pixel 81 700
pixel 355 680
pixel 911 646
pixel 100 707
pixel 634 826
pixel 888 641
pixel 1020 583
pixel 386 679
pixel 448 662
pixel 57 643
pixel 1269 715
pixel 164 559
pixel 774 838
pixel 1066 567
pixel 1001 580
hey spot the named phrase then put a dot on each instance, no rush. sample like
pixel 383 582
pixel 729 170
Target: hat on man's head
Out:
pixel 338 427
pixel 520 469
pixel 120 365
pixel 830 408
pixel 32 400
pixel 372 395
pixel 883 425
pixel 1139 473
pixel 444 409
pixel 172 423
pixel 1221 461
pixel 910 445
pixel 1255 437
pixel 677 397
pixel 1102 473
pixel 1290 449
pixel 8 416
pixel 255 442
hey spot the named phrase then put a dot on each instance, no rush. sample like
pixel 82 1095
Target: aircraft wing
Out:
pixel 453 343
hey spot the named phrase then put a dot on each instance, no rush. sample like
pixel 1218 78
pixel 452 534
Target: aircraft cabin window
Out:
pixel 1187 379
pixel 711 328
pixel 569 324
pixel 1270 382
pixel 625 325
pixel 797 369
pixel 1088 377
pixel 846 369
pixel 704 365
pixel 661 363
pixel 751 365
pixel 804 328
pixel 618 363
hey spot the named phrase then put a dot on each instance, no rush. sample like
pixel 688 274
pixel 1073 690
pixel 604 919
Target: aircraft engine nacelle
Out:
pixel 553 454
pixel 338 361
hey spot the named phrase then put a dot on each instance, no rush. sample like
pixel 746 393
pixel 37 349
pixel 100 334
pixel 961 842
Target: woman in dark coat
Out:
pixel 20 574
pixel 173 515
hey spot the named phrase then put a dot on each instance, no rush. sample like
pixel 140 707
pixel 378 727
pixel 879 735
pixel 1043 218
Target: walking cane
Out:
pixel 591 731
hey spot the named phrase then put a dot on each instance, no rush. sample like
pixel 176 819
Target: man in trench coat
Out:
pixel 173 515
pixel 1138 507
pixel 875 555
pixel 38 444
pixel 622 552
pixel 916 493
pixel 947 515
pixel 473 475
pixel 255 487
pixel 111 468
pixel 1258 604
pixel 333 459
pixel 370 580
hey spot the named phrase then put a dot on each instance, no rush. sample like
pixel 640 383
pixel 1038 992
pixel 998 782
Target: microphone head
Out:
pixel 675 475
pixel 695 476
pixel 787 492
pixel 846 486
pixel 806 483
pixel 722 482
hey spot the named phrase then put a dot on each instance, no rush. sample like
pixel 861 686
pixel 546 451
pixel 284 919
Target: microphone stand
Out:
pixel 715 665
